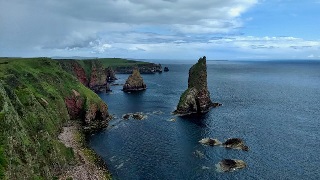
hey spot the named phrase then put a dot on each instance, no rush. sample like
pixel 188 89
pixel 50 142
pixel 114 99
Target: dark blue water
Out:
pixel 273 106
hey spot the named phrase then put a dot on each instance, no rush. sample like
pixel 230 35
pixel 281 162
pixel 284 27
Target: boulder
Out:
pixel 235 143
pixel 227 165
pixel 210 141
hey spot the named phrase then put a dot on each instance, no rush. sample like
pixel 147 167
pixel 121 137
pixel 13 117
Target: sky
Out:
pixel 161 29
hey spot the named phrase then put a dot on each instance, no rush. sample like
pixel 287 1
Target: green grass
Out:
pixel 32 112
pixel 119 62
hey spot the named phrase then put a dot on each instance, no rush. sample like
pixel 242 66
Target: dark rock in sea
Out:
pixel 166 69
pixel 137 116
pixel 235 143
pixel 210 141
pixel 111 75
pixel 227 165
pixel 196 99
pixel 134 82
pixel 126 116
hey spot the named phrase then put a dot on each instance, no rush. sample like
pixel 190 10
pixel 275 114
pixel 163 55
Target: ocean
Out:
pixel 274 106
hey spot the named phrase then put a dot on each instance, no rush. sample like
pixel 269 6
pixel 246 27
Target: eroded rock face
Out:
pixel 95 116
pixel 98 77
pixel 134 82
pixel 227 165
pixel 196 99
pixel 235 143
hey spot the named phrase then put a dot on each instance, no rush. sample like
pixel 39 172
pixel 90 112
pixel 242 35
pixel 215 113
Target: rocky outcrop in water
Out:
pixel 196 99
pixel 227 165
pixel 235 143
pixel 210 141
pixel 136 116
pixel 134 82
pixel 111 75
pixel 166 69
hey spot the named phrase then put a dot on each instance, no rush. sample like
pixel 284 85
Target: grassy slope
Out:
pixel 32 112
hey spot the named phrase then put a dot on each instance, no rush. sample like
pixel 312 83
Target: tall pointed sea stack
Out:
pixel 196 99
pixel 134 82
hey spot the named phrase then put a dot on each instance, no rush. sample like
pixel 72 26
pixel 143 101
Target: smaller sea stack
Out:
pixel 134 82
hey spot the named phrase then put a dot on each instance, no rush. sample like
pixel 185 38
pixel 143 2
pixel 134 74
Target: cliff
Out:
pixel 196 99
pixel 90 73
pixel 134 82
pixel 37 98
pixel 144 68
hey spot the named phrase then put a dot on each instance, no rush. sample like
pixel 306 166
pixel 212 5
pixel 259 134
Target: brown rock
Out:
pixel 196 99
pixel 235 143
pixel 134 82
pixel 227 165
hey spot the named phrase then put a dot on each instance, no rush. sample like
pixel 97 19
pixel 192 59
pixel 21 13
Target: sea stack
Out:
pixel 196 99
pixel 134 82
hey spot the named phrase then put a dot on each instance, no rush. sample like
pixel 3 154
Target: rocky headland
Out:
pixel 196 99
pixel 37 99
pixel 134 82
pixel 146 68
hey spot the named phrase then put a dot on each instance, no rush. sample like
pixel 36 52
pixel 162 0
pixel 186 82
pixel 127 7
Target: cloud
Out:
pixel 73 24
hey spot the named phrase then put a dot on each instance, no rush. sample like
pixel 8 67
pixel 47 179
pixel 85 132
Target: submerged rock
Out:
pixel 196 99
pixel 210 141
pixel 235 143
pixel 134 82
pixel 227 165
pixel 198 153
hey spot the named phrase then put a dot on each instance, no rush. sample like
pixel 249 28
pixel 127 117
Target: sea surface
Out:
pixel 274 106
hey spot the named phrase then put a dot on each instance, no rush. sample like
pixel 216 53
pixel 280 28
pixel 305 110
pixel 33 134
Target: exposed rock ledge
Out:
pixel 196 99
pixel 86 167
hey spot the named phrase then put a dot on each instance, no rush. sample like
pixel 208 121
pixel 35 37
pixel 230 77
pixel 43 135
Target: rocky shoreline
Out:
pixel 89 165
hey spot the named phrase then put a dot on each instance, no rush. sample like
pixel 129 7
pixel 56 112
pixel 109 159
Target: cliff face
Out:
pixel 37 97
pixel 75 69
pixel 98 77
pixel 90 73
pixel 134 82
pixel 196 99
pixel 149 68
